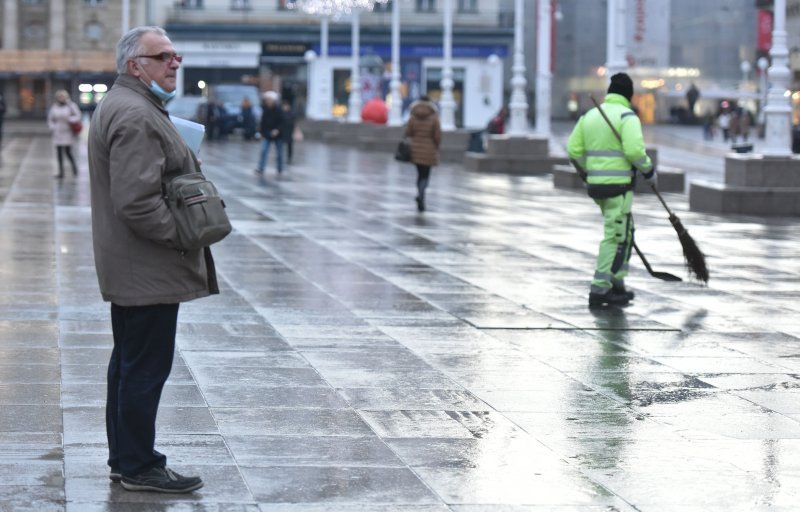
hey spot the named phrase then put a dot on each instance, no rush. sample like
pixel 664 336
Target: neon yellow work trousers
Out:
pixel 615 249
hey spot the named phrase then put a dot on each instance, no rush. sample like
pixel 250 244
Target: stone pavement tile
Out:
pixel 351 507
pixel 387 378
pixel 290 397
pixel 265 359
pixel 355 342
pixel 639 387
pixel 88 340
pixel 781 401
pixel 689 364
pixel 395 357
pixel 267 451
pixel 19 333
pixel 518 450
pixel 228 343
pixel 30 374
pixel 548 400
pixel 289 422
pixel 169 506
pixel 28 356
pixel 31 418
pixel 743 382
pixel 309 484
pixel 394 399
pixel 250 376
pixel 40 498
pixel 510 485
pixel 712 490
pixel 29 394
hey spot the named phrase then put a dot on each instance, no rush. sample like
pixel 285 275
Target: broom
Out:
pixel 694 257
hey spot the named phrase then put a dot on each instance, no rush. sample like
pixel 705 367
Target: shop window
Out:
pixel 470 6
pixel 94 3
pixel 35 35
pixel 426 5
pixel 93 31
pixel 383 7
pixel 33 2
pixel 190 4
pixel 241 5
pixel 286 5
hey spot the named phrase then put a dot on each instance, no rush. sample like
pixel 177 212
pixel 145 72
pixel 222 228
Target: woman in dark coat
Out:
pixel 425 133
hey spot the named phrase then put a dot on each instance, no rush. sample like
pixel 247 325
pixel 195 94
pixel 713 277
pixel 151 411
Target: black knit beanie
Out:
pixel 621 84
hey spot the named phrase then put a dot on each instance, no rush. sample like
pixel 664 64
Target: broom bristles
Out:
pixel 695 259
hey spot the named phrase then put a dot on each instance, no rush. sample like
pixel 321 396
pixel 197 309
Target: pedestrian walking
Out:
pixel 62 114
pixel 733 125
pixel 248 119
pixel 270 129
pixel 497 124
pixel 2 115
pixel 745 119
pixel 724 122
pixel 288 129
pixel 141 269
pixel 425 133
pixel 610 166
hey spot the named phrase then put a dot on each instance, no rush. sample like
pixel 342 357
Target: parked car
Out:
pixel 187 107
pixel 231 96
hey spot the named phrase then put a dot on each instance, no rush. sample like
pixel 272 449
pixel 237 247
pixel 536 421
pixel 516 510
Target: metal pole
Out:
pixel 616 47
pixel 778 112
pixel 126 8
pixel 396 110
pixel 323 72
pixel 543 74
pixel 354 101
pixel 518 104
pixel 447 103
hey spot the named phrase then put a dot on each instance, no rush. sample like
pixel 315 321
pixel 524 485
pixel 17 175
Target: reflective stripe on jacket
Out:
pixel 606 160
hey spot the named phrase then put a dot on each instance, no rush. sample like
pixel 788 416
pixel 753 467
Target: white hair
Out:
pixel 129 46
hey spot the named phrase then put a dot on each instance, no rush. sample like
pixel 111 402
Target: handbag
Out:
pixel 76 127
pixel 403 151
pixel 198 210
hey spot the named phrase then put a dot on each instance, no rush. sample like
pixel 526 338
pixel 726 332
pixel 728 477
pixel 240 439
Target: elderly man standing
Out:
pixel 142 270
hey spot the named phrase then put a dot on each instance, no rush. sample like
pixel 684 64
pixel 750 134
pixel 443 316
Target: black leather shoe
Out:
pixel 161 480
pixel 115 475
pixel 609 298
pixel 420 204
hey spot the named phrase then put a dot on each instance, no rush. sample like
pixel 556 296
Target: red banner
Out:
pixel 764 40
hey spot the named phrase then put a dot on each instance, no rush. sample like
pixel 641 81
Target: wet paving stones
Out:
pixel 363 357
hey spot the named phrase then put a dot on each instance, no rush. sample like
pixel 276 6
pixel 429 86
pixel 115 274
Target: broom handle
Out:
pixel 619 138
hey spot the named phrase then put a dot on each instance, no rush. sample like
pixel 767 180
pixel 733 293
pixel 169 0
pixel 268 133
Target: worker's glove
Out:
pixel 651 177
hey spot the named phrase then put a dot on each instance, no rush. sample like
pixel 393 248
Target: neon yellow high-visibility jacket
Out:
pixel 609 163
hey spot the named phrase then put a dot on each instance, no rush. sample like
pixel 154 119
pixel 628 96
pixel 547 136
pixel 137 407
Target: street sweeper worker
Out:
pixel 608 166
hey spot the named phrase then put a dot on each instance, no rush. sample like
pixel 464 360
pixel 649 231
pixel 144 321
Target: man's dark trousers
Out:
pixel 144 346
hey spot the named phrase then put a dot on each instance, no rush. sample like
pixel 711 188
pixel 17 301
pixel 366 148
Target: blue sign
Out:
pixel 417 51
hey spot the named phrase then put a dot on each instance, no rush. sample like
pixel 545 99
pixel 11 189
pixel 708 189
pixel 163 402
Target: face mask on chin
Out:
pixel 158 90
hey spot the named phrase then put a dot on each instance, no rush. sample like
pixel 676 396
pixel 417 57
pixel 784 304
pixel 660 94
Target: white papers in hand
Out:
pixel 191 132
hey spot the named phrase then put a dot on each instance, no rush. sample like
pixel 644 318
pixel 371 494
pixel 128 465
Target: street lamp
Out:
pixel 763 64
pixel 745 67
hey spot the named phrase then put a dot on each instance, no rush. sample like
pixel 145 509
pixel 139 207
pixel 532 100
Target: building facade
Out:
pixel 59 44
pixel 266 43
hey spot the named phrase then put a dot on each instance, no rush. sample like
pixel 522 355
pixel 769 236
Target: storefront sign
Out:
pixel 418 51
pixel 284 49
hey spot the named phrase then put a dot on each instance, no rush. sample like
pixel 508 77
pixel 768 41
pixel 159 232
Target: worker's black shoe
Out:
pixel 609 298
pixel 620 288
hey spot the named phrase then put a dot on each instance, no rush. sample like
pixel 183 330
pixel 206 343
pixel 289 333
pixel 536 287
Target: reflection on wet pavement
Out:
pixel 365 358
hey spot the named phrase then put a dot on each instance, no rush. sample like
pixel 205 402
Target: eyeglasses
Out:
pixel 165 57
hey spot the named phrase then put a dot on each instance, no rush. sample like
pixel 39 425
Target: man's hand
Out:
pixel 651 177
pixel 578 168
pixel 274 133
